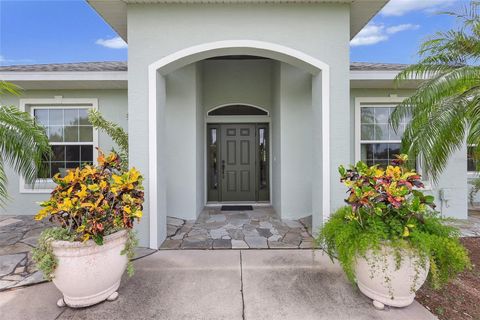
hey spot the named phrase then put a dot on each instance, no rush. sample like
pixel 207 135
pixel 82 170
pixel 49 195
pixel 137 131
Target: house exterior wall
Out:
pixel 453 180
pixel 295 134
pixel 237 81
pixel 181 138
pixel 113 106
pixel 319 30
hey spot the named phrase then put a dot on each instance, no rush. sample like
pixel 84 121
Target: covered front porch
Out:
pixel 238 122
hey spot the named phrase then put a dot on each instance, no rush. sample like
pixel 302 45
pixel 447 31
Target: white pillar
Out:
pixel 317 146
pixel 157 164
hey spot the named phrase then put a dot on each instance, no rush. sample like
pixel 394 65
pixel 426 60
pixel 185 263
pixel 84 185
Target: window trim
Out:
pixel 62 103
pixel 471 174
pixel 392 99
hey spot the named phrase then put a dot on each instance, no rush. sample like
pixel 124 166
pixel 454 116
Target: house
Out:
pixel 232 101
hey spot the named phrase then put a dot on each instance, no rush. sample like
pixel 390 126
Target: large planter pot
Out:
pixel 381 279
pixel 87 273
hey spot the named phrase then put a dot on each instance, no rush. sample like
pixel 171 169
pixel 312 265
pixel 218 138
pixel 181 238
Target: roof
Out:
pixel 122 66
pixel 373 66
pixel 114 12
pixel 114 75
pixel 68 67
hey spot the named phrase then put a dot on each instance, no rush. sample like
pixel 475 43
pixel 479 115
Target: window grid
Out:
pixel 379 143
pixel 66 154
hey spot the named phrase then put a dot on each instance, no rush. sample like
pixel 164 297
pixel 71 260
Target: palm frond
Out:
pixel 3 185
pixel 445 108
pixel 23 142
pixel 116 133
pixel 9 88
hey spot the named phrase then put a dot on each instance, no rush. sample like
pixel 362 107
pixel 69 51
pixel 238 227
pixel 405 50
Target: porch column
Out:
pixel 157 163
pixel 320 149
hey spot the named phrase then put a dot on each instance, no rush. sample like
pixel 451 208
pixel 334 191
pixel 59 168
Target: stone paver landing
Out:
pixel 260 228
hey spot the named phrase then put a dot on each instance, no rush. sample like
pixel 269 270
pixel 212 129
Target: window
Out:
pixel 238 110
pixel 379 143
pixel 71 137
pixel 472 159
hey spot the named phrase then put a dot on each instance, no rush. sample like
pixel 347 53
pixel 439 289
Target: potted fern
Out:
pixel 92 244
pixel 389 239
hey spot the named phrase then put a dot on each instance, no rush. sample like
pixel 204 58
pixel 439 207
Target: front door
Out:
pixel 237 156
pixel 237 165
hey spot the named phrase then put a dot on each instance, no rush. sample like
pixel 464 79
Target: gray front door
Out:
pixel 237 162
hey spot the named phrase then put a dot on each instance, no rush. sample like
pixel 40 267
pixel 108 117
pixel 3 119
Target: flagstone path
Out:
pixel 18 236
pixel 260 228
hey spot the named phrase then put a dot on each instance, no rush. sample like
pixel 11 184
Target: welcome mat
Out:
pixel 236 208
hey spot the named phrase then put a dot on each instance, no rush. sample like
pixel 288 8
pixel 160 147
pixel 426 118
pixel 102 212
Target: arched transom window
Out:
pixel 238 110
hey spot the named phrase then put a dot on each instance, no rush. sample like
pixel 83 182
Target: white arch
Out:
pixel 238 47
pixel 156 71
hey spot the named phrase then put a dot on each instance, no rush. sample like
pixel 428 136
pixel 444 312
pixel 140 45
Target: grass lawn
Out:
pixel 460 300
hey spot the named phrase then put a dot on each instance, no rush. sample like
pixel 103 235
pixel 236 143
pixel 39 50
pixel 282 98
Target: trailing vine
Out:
pixel 43 254
pixel 129 251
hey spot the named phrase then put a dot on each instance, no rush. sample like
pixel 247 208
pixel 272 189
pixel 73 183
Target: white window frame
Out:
pixel 381 102
pixel 61 103
pixel 471 174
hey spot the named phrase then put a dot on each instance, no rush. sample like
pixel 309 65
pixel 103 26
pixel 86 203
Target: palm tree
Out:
pixel 23 143
pixel 445 108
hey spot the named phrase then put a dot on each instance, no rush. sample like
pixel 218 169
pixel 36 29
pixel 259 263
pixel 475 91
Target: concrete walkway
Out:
pixel 219 284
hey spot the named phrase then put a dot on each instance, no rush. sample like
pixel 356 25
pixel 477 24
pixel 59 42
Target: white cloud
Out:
pixel 375 33
pixel 402 27
pixel 113 43
pixel 4 61
pixel 401 7
pixel 370 34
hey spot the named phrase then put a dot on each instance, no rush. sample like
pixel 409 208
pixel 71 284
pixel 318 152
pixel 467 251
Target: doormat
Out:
pixel 236 208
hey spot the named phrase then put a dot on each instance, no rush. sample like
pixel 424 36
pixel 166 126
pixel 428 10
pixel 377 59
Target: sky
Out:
pixel 45 31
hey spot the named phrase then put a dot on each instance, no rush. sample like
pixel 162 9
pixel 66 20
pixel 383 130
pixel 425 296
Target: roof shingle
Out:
pixel 371 66
pixel 122 66
pixel 68 67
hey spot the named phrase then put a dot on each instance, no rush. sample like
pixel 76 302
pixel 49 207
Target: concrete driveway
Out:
pixel 219 284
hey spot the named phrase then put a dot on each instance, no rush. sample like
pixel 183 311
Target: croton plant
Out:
pixel 94 201
pixel 391 192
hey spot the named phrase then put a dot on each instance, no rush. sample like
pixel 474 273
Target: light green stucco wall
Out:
pixel 295 134
pixel 319 30
pixel 237 81
pixel 113 106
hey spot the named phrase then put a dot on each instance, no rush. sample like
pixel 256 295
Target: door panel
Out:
pixel 238 162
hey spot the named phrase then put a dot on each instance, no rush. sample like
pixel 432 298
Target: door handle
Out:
pixel 223 169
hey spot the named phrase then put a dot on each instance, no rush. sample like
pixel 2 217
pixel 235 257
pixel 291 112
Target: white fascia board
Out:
pixel 64 76
pixel 373 75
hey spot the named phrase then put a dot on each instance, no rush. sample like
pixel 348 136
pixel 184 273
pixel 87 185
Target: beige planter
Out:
pixel 379 279
pixel 87 273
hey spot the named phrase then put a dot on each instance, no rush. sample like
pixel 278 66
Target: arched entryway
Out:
pixel 157 102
